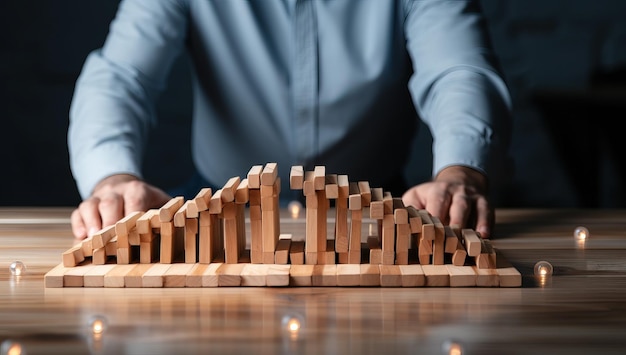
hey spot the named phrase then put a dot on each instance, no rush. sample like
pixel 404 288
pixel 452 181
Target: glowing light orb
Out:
pixel 294 208
pixel 17 268
pixel 98 325
pixel 581 233
pixel 543 268
pixel 9 347
pixel 451 347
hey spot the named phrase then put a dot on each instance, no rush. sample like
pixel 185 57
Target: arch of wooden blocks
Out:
pixel 201 242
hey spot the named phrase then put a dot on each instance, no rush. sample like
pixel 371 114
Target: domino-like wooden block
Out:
pixel 167 211
pixel 348 275
pixel 461 276
pixel 436 275
pixel 296 177
pixel 412 275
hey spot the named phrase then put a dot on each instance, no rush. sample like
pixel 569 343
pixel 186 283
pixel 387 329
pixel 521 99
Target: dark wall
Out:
pixel 548 48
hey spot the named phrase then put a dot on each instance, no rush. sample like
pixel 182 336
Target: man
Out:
pixel 297 82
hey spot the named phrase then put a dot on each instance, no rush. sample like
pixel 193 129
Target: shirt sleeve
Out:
pixel 456 87
pixel 114 99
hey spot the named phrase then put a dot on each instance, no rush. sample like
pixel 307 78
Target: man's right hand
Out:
pixel 111 200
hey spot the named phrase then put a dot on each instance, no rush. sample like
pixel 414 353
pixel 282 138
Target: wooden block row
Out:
pixel 247 274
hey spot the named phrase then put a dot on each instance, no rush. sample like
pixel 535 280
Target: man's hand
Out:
pixel 111 200
pixel 457 196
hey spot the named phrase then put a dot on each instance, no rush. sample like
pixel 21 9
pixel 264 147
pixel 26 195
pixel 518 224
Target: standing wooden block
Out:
pixel 354 248
pixel 459 256
pixel 415 221
pixel 348 275
pixel 403 235
pixel 242 194
pixel 390 276
pixel 149 250
pixel 144 222
pixel 436 275
pixel 355 201
pixel 278 275
pixel 296 177
pixel 301 275
pixel 322 222
pixel 366 193
pixel 191 240
pixel 254 176
pixel 216 203
pixel 376 253
pixel 167 243
pixel 296 252
pixel 324 275
pixel 167 211
pixel 472 242
pixel 124 226
pixel 452 240
pixel 412 275
pixel 461 276
pixel 269 174
pixel 231 239
pixel 319 177
pixel 256 232
pixel 229 189
pixel 181 215
pixel 438 244
pixel 202 200
pixel 377 210
pixel 281 256
pixel 331 186
pixel 388 240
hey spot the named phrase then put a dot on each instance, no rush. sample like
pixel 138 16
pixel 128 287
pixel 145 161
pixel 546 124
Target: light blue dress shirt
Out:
pixel 339 83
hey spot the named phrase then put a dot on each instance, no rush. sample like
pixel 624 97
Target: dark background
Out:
pixel 563 61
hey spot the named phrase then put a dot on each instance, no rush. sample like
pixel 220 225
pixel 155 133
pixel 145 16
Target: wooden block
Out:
pixel 229 189
pixel 461 276
pixel 242 194
pixel 296 177
pixel 296 252
pixel 167 243
pixel 319 177
pixel 324 275
pixel 388 239
pixel 301 275
pixel 436 275
pixel 254 176
pixel 167 211
pixel 370 275
pixel 133 279
pixel 202 199
pixel 74 277
pixel 459 256
pixel 144 222
pixel 254 275
pixel 153 277
pixel 400 213
pixel 269 174
pixel 229 275
pixel 194 276
pixel 191 240
pixel 99 256
pixel 486 277
pixel 473 245
pixel 308 185
pixel 348 275
pixel 216 203
pixel 509 277
pixel 415 221
pixel 73 256
pixel 341 225
pixel 355 202
pixel 390 276
pixel 278 275
pixel 133 237
pixel 103 236
pixel 356 224
pixel 210 275
pixel 412 275
pixel 438 244
pixel 115 277
pixel 124 226
pixel 331 186
pixel 451 240
pixel 54 277
pixel 180 215
pixel 95 276
pixel 376 253
pixel 87 246
pixel 281 256
pixel 365 192
pixel 176 275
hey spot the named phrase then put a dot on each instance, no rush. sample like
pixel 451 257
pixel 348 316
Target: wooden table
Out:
pixel 581 309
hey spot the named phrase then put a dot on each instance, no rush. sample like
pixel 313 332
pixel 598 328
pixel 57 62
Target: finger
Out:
pixel 460 210
pixel 90 215
pixel 111 208
pixel 135 197
pixel 412 198
pixel 484 218
pixel 438 202
pixel 78 226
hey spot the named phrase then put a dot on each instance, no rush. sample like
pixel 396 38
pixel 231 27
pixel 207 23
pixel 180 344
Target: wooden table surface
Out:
pixel 580 309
